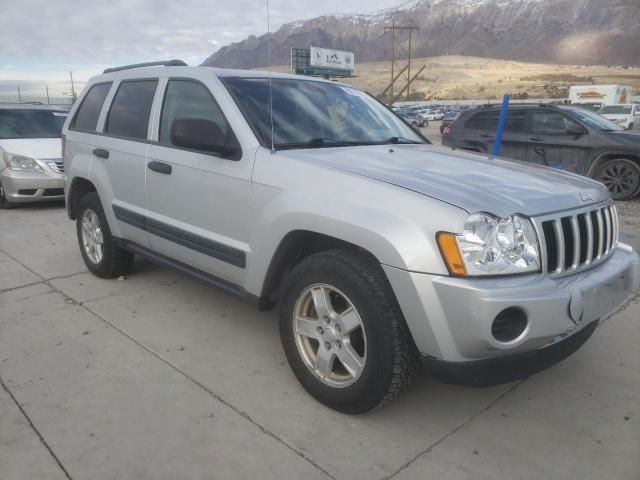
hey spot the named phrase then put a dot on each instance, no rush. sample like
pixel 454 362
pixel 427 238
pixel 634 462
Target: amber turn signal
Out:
pixel 451 253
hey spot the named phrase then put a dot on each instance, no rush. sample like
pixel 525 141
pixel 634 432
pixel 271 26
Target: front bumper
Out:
pixel 451 318
pixel 494 371
pixel 24 187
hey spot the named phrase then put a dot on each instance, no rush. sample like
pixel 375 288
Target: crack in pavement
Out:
pixel 33 427
pixel 454 430
pixel 43 281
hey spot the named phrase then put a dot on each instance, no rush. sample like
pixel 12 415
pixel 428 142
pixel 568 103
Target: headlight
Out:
pixel 491 246
pixel 20 163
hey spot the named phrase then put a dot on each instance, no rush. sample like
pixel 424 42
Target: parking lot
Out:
pixel 159 376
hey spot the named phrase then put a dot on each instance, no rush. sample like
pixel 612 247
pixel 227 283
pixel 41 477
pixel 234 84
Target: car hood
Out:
pixel 472 182
pixel 616 116
pixel 33 147
pixel 627 137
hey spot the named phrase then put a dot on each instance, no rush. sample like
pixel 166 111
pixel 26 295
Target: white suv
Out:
pixel 379 248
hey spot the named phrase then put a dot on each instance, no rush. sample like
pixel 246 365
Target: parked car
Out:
pixel 413 119
pixel 447 120
pixel 593 107
pixel 431 115
pixel 564 137
pixel 30 158
pixel 626 115
pixel 379 249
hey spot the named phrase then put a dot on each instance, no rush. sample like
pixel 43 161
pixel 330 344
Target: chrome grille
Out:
pixel 56 165
pixel 575 241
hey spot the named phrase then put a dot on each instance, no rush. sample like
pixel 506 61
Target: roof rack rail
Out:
pixel 163 63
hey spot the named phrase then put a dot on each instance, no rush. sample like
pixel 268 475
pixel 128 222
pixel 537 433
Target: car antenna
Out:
pixel 270 75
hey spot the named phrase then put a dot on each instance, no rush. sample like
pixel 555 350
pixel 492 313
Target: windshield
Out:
pixel 309 114
pixel 615 110
pixel 594 120
pixel 31 123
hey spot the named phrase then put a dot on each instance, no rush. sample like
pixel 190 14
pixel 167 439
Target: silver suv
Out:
pixel 379 249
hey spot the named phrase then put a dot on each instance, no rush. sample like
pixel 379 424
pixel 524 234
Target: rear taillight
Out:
pixel 446 131
pixel 64 140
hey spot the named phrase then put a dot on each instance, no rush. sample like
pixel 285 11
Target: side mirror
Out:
pixel 201 134
pixel 576 130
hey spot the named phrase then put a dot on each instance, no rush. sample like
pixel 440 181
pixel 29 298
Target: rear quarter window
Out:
pixel 87 117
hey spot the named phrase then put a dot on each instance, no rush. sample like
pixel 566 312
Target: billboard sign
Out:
pixel 334 59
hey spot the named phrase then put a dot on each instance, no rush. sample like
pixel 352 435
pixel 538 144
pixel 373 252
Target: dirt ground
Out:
pixel 457 77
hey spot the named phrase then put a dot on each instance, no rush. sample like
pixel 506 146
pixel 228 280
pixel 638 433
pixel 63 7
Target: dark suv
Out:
pixel 559 136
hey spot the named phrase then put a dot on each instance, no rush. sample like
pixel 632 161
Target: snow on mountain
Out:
pixel 564 31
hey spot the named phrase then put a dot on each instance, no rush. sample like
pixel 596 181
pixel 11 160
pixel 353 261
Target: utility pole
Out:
pixel 73 90
pixel 394 62
pixel 393 52
pixel 46 87
pixel 409 62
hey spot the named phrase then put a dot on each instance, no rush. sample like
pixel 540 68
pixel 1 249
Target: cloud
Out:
pixel 42 39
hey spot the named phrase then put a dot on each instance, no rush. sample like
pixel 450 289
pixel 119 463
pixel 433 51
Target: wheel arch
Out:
pixel 605 156
pixel 79 188
pixel 294 247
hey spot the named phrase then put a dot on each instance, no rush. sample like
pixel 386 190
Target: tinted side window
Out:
pixel 130 110
pixel 549 122
pixel 188 99
pixel 516 121
pixel 489 121
pixel 87 117
pixel 483 121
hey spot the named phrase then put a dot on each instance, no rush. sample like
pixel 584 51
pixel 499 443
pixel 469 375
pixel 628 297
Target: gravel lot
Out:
pixel 158 376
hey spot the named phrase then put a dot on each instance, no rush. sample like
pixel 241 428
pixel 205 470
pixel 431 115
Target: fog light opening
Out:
pixel 509 324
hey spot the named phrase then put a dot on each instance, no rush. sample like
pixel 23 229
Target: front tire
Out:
pixel 100 252
pixel 621 176
pixel 4 203
pixel 343 333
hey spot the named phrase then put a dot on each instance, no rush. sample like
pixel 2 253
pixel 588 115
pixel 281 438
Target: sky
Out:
pixel 42 40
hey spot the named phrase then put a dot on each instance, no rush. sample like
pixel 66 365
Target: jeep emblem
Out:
pixel 586 196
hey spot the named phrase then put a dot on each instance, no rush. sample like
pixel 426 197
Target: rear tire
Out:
pixel 621 176
pixel 353 351
pixel 100 252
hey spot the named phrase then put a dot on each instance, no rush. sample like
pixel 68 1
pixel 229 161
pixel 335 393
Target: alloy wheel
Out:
pixel 621 178
pixel 329 335
pixel 92 238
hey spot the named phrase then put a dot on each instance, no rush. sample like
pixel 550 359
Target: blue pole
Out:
pixel 501 123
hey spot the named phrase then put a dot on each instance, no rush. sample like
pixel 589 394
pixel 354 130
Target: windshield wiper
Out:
pixel 321 142
pixel 396 140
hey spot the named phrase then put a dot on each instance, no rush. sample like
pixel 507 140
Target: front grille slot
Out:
pixel 582 227
pixel 572 242
pixel 56 165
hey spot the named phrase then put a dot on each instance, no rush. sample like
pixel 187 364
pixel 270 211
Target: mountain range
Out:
pixel 582 32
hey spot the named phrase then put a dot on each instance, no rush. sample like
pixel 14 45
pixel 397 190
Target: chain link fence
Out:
pixel 67 101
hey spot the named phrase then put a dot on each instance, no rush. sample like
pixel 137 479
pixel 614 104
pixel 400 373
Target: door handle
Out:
pixel 486 135
pixel 536 139
pixel 159 167
pixel 101 153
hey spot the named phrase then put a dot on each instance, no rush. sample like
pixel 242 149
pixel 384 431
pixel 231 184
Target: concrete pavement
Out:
pixel 159 376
